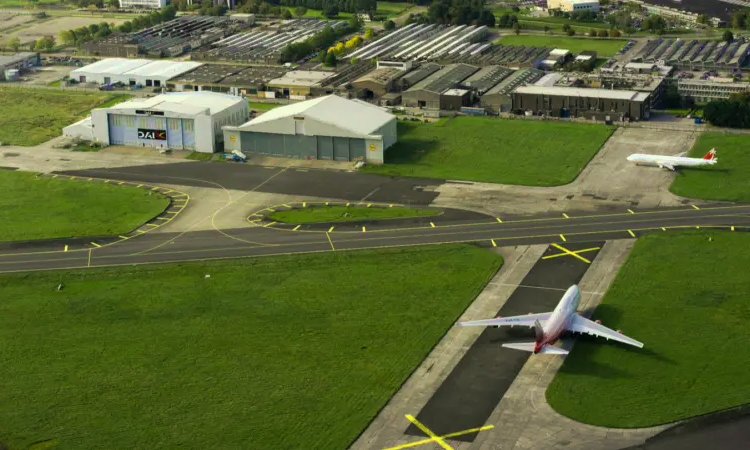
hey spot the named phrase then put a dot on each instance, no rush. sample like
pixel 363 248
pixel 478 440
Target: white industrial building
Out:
pixel 142 4
pixel 574 5
pixel 330 127
pixel 144 72
pixel 177 121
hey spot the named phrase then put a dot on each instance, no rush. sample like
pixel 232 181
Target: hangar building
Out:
pixel 589 103
pixel 145 72
pixel 329 127
pixel 178 121
pixel 440 89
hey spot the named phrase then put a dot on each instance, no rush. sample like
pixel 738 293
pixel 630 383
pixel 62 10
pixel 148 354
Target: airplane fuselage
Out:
pixel 560 319
pixel 675 161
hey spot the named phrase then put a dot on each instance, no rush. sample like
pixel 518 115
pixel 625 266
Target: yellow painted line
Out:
pixel 155 188
pixel 120 182
pixel 571 253
pixel 330 229
pixel 446 436
pixel 267 167
pixel 139 185
pixel 697 227
pixel 123 237
pixel 347 204
pixel 493 243
pixel 432 224
pixel 563 238
pixel 498 220
pixel 269 209
pixel 663 229
pixel 566 216
pixel 140 231
pixel 66 248
pixel 88 264
pixel 167 192
pixel 152 225
pixel 54 176
pixel 73 178
pixel 89 179
pixel 390 206
pixel 296 228
pixel 694 206
pixel 732 227
pixel 162 218
pixel 327 203
pixel 631 211
pixel 269 224
pixel 286 205
pixel 631 233
pixel 435 438
pixel 369 204
pixel 363 229
pixel 107 181
pixel 330 242
pixel 304 204
pixel 95 244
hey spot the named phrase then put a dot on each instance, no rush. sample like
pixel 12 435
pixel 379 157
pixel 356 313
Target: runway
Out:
pixel 268 240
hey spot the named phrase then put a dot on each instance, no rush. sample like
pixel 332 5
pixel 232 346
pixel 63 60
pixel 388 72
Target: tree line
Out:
pixel 81 35
pixel 733 112
pixel 455 12
pixel 318 42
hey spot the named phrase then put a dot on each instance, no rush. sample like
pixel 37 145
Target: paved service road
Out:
pixel 267 240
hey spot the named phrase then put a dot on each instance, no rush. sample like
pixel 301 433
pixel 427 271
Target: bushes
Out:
pixel 731 113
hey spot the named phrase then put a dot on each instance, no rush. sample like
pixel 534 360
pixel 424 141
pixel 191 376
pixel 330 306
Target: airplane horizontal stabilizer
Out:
pixel 529 347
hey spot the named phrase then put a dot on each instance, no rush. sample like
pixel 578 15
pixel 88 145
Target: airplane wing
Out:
pixel 583 325
pixel 527 320
pixel 667 166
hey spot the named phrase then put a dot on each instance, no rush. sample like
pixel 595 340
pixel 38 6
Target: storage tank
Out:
pixel 12 74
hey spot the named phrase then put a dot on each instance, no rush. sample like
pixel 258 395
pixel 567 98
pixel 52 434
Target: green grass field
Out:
pixel 33 116
pixel 286 352
pixel 728 180
pixel 685 298
pixel 258 106
pixel 603 47
pixel 46 208
pixel 200 156
pixel 319 214
pixel 493 150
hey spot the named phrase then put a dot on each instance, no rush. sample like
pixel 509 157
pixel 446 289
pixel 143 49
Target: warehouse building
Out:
pixel 228 79
pixel 378 82
pixel 19 61
pixel 499 98
pixel 574 5
pixel 330 127
pixel 711 89
pixel 430 92
pixel 144 72
pixel 178 121
pixel 298 84
pixel 596 104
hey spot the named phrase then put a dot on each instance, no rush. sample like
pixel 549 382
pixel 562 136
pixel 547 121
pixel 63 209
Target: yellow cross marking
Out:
pixel 456 434
pixel 694 206
pixel 575 254
pixel 433 437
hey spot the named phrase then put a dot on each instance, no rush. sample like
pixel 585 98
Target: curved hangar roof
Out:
pixel 356 117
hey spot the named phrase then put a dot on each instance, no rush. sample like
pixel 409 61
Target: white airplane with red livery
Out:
pixel 671 162
pixel 551 325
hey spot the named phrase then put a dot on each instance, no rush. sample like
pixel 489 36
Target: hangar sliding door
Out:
pixel 357 149
pixel 341 149
pixel 325 147
pixel 174 133
pixel 118 126
pixel 276 144
pixel 188 134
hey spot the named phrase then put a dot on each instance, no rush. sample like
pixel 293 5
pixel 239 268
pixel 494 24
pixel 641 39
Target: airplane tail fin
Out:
pixel 539 331
pixel 529 347
pixel 711 155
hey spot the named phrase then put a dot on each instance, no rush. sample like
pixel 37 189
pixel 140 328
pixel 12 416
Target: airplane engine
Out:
pixel 598 321
pixel 619 331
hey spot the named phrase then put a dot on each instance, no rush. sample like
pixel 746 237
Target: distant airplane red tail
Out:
pixel 711 155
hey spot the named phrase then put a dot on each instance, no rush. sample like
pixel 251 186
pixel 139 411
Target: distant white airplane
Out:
pixel 670 162
pixel 550 326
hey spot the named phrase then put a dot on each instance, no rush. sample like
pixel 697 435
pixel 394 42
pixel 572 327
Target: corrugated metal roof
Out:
pixel 18 57
pixel 168 69
pixel 184 102
pixel 579 92
pixel 516 79
pixel 355 116
pixel 137 67
pixel 487 77
pixel 111 66
pixel 445 78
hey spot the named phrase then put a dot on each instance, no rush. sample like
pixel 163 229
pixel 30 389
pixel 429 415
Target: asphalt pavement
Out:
pixel 267 240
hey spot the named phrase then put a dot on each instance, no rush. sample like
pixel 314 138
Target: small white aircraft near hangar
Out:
pixel 550 326
pixel 671 162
